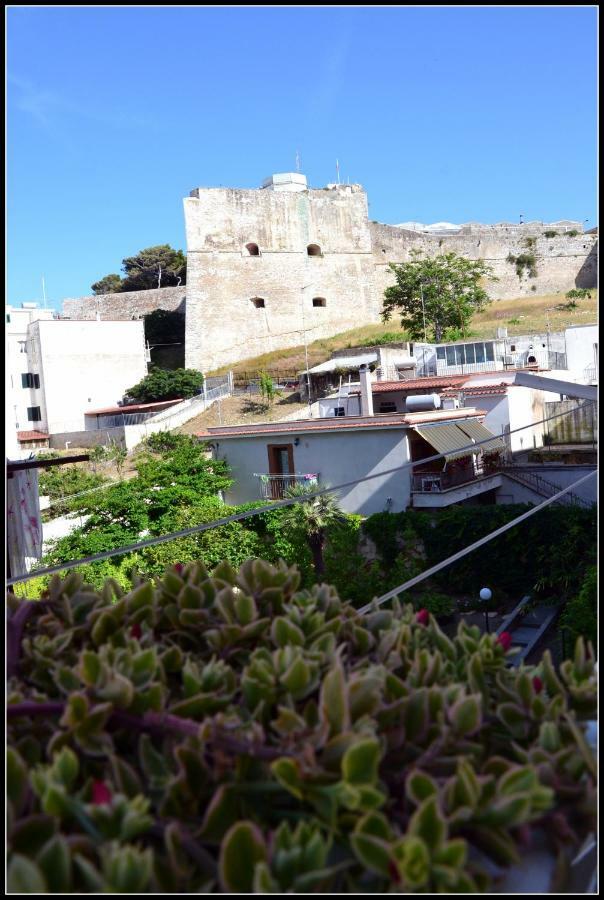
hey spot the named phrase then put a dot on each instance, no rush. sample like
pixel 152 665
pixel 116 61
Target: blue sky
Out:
pixel 115 114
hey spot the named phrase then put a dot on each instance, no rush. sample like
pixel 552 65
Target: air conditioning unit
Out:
pixel 450 403
pixel 508 360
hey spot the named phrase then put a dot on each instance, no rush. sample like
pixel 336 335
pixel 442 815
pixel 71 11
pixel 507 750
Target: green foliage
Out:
pixel 118 455
pixel 312 518
pixel 233 732
pixel 163 326
pixel 110 284
pixel 514 321
pixel 578 294
pixel 525 261
pixel 167 384
pixel 268 391
pixel 439 605
pixel 580 615
pixel 452 292
pixel 153 267
pixel 388 337
pixel 572 233
pixel 530 242
pixel 457 334
pixel 550 234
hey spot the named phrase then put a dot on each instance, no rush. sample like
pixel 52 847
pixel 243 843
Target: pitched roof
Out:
pixel 346 423
pixel 440 381
pixel 32 436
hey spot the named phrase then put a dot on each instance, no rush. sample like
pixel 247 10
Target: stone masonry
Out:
pixel 267 267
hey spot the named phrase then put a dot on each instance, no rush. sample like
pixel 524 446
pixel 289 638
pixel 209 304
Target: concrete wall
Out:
pixel 101 438
pixel 18 398
pixel 83 366
pixel 582 347
pixel 336 458
pixel 578 427
pixel 127 305
pixel 561 475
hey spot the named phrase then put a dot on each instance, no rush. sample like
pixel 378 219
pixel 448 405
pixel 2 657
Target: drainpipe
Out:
pixel 366 392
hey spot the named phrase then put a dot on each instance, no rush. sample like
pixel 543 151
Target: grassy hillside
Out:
pixel 524 315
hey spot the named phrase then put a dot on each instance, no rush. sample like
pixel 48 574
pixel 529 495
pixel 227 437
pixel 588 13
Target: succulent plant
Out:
pixel 228 731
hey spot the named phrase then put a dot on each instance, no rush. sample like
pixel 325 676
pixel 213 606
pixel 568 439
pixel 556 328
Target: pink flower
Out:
pixel 136 631
pixel 505 640
pixel 101 795
pixel 537 684
pixel 423 617
pixel 179 568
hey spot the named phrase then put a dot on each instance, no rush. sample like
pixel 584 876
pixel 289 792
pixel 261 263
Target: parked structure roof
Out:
pixel 132 408
pixel 346 423
pixel 32 435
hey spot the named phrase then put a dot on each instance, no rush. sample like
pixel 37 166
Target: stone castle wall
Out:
pixel 240 305
pixel 127 305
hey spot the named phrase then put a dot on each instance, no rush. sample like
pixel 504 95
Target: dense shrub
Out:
pixel 167 384
pixel 235 733
pixel 581 614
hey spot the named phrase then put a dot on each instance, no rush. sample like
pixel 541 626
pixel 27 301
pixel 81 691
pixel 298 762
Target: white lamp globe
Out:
pixel 485 594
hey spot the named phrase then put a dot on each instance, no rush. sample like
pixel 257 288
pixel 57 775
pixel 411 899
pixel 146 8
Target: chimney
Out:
pixel 366 392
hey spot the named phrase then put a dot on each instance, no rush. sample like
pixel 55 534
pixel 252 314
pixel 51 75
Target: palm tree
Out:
pixel 313 517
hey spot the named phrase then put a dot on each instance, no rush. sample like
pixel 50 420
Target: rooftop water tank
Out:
pixel 422 402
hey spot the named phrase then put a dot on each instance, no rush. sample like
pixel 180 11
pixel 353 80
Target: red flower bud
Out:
pixel 136 631
pixel 537 684
pixel 505 640
pixel 100 793
pixel 395 875
pixel 179 568
pixel 423 617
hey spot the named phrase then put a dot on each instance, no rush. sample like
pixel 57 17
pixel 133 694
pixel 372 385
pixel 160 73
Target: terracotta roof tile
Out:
pixel 32 436
pixel 384 387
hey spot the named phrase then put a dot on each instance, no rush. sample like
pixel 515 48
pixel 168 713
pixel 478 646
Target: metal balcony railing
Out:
pixel 429 482
pixel 275 487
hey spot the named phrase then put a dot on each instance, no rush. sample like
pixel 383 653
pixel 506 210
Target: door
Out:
pixel 281 465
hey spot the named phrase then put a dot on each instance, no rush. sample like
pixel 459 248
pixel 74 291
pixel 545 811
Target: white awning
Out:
pixel 344 362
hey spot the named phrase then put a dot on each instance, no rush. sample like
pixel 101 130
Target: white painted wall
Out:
pixel 18 398
pixel 83 365
pixel 336 457
pixel 581 347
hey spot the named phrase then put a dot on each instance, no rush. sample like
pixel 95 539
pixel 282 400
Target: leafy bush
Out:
pixel 578 294
pixel 524 261
pixel 439 605
pixel 388 337
pixel 231 732
pixel 580 616
pixel 167 384
pixel 572 233
pixel 550 234
pixel 530 242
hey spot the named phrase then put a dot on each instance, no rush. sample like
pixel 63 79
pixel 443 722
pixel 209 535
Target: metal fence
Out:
pixel 275 487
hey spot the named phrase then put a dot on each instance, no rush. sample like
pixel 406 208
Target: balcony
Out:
pixel 439 489
pixel 275 487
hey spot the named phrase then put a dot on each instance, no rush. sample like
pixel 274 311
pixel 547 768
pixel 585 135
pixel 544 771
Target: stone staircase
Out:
pixel 542 487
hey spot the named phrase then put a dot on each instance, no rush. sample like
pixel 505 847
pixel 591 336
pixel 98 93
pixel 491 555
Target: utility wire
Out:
pixel 237 517
pixel 461 553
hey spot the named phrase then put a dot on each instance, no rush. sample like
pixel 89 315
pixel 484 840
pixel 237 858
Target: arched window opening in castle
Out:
pixel 314 250
pixel 258 302
pixel 252 249
pixel 319 301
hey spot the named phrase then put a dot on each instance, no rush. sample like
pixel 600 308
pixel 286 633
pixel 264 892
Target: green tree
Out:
pixel 117 454
pixel 154 267
pixel 110 284
pixel 267 388
pixel 167 384
pixel 441 291
pixel 313 518
pixel 163 326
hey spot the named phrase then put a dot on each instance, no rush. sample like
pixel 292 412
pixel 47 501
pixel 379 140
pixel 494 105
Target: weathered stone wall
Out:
pixel 223 323
pixel 562 262
pixel 127 305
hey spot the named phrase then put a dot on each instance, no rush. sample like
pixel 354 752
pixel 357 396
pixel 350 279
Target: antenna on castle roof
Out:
pixel 297 161
pixel 338 170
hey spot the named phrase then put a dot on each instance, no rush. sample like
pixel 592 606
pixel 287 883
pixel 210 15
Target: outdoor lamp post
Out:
pixel 485 596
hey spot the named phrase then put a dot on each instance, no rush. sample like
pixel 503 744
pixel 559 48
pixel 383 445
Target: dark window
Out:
pixel 314 250
pixel 253 249
pixel 28 380
pixel 339 411
pixel 440 352
pixel 319 301
pixel 470 353
pixel 479 353
pixel 513 348
pixel 7 318
pixel 388 407
pixel 258 302
pixel 33 414
pixel 450 356
pixel 489 352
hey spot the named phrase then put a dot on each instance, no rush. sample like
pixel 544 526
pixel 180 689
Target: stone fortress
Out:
pixel 269 268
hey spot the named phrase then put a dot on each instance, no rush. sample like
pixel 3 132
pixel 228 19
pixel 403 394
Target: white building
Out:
pixel 582 351
pixel 59 369
pixel 19 398
pixel 267 459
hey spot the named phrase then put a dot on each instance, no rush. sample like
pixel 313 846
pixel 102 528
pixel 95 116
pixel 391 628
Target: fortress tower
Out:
pixel 266 266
